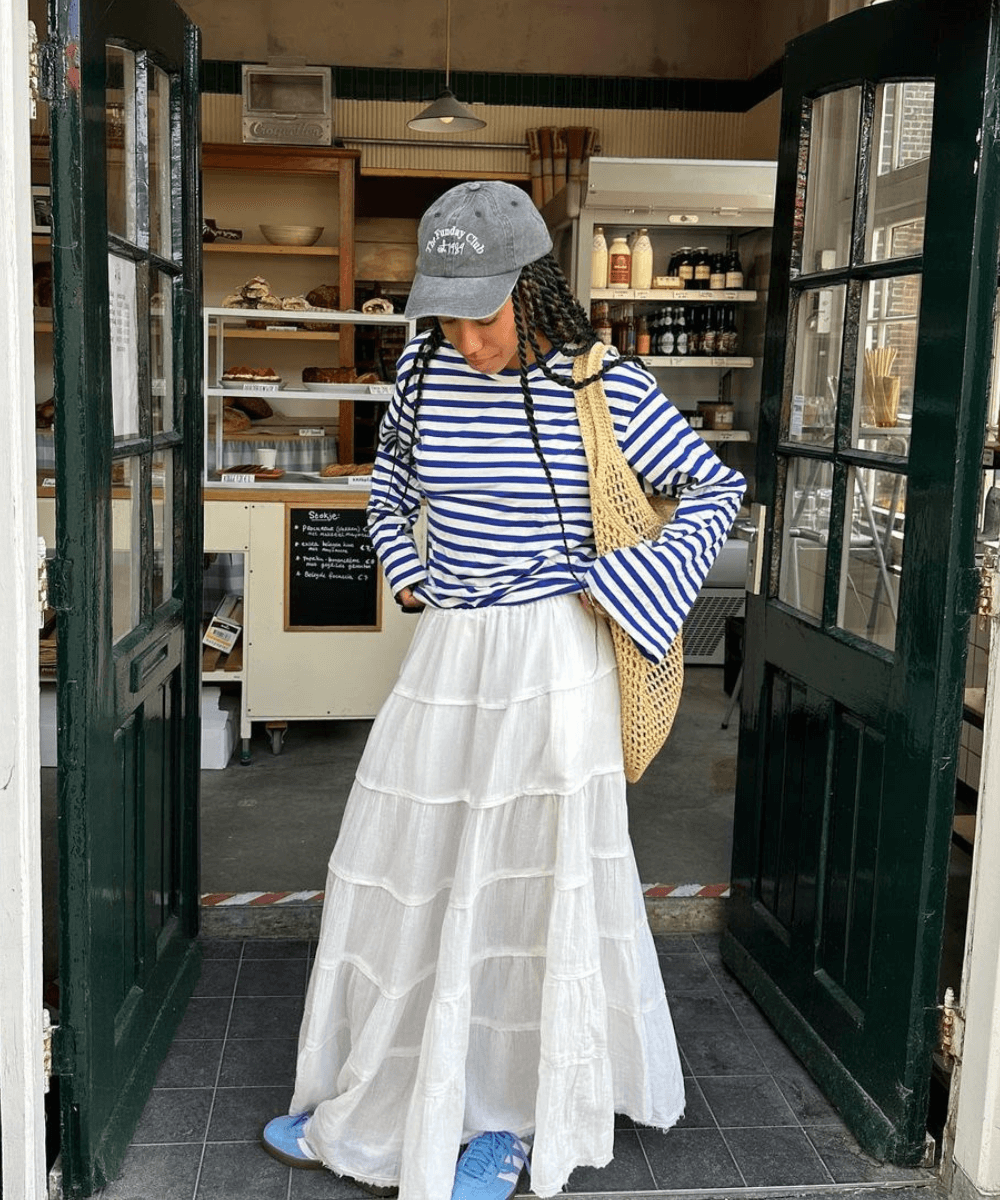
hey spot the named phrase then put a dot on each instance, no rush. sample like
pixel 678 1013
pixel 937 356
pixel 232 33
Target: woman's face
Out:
pixel 488 345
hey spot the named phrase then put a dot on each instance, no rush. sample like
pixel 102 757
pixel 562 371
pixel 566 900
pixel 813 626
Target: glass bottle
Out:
pixel 717 278
pixel 628 346
pixel 642 261
pixel 734 271
pixel 600 318
pixel 680 335
pixel 710 333
pixel 619 263
pixel 702 268
pixel 685 266
pixel 666 346
pixel 729 338
pixel 642 336
pixel 599 260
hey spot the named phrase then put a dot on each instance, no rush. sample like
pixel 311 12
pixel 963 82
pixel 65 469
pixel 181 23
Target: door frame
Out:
pixel 22 1113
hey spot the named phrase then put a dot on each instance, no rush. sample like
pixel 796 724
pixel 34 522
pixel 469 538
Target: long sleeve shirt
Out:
pixel 495 532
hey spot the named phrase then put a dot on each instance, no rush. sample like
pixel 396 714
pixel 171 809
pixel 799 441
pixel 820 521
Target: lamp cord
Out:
pixel 447 46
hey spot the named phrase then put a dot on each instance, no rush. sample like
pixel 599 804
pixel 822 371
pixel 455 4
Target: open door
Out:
pixel 877 359
pixel 126 578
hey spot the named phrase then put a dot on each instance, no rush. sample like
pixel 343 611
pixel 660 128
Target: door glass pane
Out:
pixel 887 354
pixel 828 152
pixel 125 557
pixel 163 490
pixel 805 533
pixel 898 189
pixel 873 555
pixel 160 240
pixel 816 379
pixel 123 329
pixel 120 142
pixel 161 351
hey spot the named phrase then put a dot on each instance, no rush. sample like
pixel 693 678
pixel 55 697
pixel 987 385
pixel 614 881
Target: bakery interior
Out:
pixel 308 252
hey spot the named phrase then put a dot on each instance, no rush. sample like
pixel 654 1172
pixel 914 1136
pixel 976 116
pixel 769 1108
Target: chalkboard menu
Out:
pixel 332 577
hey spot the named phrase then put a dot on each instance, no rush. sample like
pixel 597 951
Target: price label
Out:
pixel 642 294
pixel 239 478
pixel 49 481
pixel 380 389
pixel 310 431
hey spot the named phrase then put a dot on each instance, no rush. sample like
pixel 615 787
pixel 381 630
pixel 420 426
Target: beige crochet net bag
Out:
pixel 623 516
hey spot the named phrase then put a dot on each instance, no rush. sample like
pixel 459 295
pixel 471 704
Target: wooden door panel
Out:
pixel 854 649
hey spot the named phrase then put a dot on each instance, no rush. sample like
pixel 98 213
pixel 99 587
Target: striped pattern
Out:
pixel 652 891
pixel 494 534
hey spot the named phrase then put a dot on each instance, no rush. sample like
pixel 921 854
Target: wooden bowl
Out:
pixel 292 235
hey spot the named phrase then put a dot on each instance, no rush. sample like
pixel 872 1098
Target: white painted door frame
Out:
pixel 972 1142
pixel 22 1113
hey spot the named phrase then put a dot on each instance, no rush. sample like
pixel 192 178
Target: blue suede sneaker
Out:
pixel 284 1139
pixel 490 1167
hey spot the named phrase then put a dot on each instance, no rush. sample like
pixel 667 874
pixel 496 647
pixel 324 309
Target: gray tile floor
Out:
pixel 754 1118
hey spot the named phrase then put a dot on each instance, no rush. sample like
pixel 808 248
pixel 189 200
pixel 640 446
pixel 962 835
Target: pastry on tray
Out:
pixel 234 421
pixel 333 470
pixel 255 407
pixel 254 469
pixel 252 374
pixel 337 375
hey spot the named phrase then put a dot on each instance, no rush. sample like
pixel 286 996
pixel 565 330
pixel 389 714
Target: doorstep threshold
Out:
pixel 670 908
pixel 903 1189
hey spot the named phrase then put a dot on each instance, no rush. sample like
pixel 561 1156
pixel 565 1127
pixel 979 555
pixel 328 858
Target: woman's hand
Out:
pixel 591 605
pixel 407 601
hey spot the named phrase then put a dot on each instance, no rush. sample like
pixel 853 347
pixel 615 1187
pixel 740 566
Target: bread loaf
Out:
pixel 234 421
pixel 255 407
pixel 328 375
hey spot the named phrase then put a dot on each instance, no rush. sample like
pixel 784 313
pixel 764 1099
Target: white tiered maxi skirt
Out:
pixel 484 961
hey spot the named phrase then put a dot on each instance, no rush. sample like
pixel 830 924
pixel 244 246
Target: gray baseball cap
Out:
pixel 471 246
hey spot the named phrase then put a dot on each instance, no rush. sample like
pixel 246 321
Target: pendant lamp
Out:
pixel 446 114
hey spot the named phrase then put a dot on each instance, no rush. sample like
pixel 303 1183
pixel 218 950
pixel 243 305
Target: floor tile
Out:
pixel 174 1115
pixel 719 1052
pixel 253 1063
pixel 776 1157
pixel 628 1171
pixel 689 1158
pixel 190 1064
pixel 275 948
pixel 241 1172
pixel 703 1013
pixel 266 1016
pixel 205 1017
pixel 325 1185
pixel 220 947
pixel 806 1101
pixel 218 975
pixel 697 1114
pixel 687 973
pixel 848 1163
pixel 675 943
pixel 272 977
pixel 776 1056
pixel 240 1113
pixel 740 1101
pixel 749 1015
pixel 163 1172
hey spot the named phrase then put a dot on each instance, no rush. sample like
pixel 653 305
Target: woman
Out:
pixel 485 972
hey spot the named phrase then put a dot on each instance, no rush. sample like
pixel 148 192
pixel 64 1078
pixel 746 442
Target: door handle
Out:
pixel 752 531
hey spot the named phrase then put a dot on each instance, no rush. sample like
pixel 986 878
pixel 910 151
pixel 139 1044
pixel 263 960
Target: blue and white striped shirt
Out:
pixel 493 529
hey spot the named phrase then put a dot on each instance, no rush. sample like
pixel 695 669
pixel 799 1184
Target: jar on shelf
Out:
pixel 685 267
pixel 716 414
pixel 619 263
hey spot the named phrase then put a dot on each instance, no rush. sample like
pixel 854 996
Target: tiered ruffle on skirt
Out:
pixel 484 961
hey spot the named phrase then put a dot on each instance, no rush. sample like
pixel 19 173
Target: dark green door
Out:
pixel 878 345
pixel 126 267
